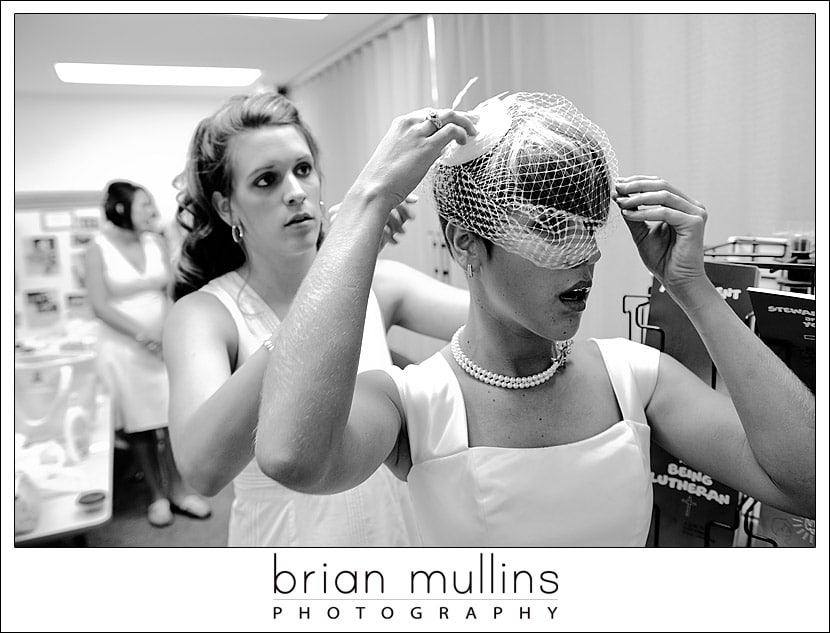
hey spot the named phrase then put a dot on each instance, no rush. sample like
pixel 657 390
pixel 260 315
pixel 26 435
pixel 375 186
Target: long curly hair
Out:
pixel 208 250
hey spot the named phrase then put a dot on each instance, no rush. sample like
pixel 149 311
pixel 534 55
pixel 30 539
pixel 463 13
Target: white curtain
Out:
pixel 349 107
pixel 350 104
pixel 723 106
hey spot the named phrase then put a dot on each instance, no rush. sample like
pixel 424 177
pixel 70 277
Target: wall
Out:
pixel 51 233
pixel 349 106
pixel 721 105
pixel 82 143
pixel 75 144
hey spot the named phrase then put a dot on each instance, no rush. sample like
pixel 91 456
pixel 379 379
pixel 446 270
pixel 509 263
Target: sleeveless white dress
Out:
pixel 594 492
pixel 264 513
pixel 136 378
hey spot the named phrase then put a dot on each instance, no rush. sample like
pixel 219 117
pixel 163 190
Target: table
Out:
pixel 60 516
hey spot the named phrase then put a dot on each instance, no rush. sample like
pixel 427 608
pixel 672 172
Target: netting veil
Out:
pixel 536 180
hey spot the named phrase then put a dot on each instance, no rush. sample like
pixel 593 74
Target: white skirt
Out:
pixel 137 381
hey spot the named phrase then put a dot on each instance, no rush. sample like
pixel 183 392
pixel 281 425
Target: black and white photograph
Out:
pixel 86 220
pixel 429 321
pixel 56 220
pixel 41 256
pixel 41 308
pixel 77 306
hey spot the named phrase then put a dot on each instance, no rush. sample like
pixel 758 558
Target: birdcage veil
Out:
pixel 536 180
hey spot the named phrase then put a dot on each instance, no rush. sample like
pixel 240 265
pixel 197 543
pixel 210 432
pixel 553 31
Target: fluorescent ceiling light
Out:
pixel 286 16
pixel 155 75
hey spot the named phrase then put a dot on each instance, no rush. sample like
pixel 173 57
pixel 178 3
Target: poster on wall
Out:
pixel 56 220
pixel 787 530
pixel 41 308
pixel 691 509
pixel 786 322
pixel 87 220
pixel 77 306
pixel 41 256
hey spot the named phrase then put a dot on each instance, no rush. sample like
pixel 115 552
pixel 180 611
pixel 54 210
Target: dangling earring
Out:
pixel 237 233
pixel 470 271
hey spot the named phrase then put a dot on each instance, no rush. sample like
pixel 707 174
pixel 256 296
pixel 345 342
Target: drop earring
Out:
pixel 470 271
pixel 237 233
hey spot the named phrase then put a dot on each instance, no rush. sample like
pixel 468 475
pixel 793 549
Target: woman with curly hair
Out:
pixel 251 204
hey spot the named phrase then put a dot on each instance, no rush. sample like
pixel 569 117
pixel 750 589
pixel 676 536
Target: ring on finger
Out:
pixel 432 117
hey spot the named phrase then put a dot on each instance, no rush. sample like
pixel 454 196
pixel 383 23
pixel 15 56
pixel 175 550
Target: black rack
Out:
pixel 799 266
pixel 637 315
pixel 636 306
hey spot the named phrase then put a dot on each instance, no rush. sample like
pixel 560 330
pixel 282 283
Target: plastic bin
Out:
pixel 55 399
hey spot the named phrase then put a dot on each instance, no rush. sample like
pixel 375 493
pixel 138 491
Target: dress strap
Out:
pixel 104 243
pixel 632 368
pixel 433 404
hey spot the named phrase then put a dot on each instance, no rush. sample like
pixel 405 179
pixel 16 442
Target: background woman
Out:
pixel 128 273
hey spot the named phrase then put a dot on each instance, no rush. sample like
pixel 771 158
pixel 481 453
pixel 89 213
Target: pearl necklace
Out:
pixel 563 349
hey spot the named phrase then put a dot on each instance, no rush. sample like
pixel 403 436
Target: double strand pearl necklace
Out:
pixel 563 349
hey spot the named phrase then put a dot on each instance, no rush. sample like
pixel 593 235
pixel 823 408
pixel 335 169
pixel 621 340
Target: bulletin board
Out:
pixel 51 233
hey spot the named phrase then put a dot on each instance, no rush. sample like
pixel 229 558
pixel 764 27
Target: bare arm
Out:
pixel 165 253
pixel 417 302
pixel 306 438
pixel 310 378
pixel 213 413
pixel 763 440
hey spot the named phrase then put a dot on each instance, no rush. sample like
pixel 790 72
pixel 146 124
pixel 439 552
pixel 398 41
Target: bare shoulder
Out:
pixel 587 362
pixel 586 353
pixel 378 384
pixel 199 313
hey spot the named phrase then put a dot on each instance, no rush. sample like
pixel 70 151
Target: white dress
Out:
pixel 594 492
pixel 264 513
pixel 136 378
